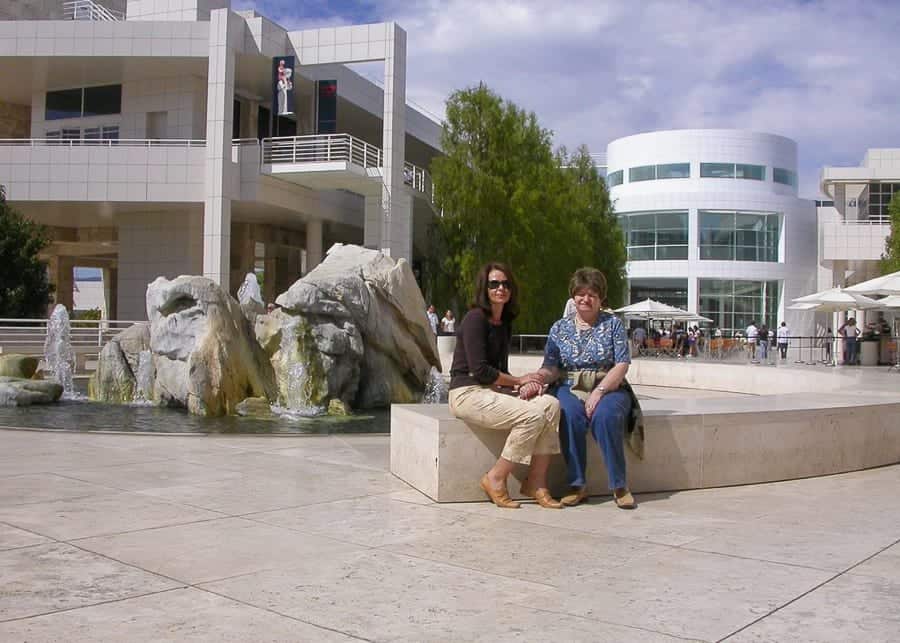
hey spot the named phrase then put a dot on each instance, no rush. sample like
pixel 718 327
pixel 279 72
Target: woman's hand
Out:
pixel 529 378
pixel 593 400
pixel 530 390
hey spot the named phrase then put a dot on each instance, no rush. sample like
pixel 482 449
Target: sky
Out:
pixel 823 73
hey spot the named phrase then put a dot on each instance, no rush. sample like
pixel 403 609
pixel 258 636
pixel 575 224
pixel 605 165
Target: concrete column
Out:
pixel 372 218
pixel 219 116
pixel 313 244
pixel 693 294
pixel 396 222
pixel 111 292
pixel 62 276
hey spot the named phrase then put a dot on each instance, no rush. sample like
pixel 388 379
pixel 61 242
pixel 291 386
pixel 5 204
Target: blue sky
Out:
pixel 824 73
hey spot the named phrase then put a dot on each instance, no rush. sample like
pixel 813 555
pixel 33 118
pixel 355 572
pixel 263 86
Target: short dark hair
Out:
pixel 588 278
pixel 511 309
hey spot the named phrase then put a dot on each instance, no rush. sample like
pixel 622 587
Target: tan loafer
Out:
pixel 578 496
pixel 499 497
pixel 542 495
pixel 624 499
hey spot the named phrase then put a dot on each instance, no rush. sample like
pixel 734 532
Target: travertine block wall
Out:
pixel 15 120
pixel 173 9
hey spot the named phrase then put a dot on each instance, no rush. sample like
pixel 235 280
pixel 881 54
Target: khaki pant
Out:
pixel 533 424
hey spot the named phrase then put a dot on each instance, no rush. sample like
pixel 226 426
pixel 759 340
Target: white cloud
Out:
pixel 823 73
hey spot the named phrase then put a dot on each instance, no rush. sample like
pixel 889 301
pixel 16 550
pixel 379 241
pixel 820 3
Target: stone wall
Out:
pixel 15 121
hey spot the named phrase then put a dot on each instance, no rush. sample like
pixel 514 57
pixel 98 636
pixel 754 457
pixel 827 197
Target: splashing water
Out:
pixel 143 391
pixel 436 388
pixel 58 354
pixel 249 290
pixel 296 399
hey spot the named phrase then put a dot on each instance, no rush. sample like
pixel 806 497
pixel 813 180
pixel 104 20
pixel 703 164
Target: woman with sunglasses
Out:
pixel 484 394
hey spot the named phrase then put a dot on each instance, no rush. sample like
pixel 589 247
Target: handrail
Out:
pixel 852 222
pixel 28 334
pixel 96 142
pixel 90 10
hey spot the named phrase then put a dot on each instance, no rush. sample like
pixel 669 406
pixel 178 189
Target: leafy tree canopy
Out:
pixel 24 289
pixel 507 196
pixel 890 260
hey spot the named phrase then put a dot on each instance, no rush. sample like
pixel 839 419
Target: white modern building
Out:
pixel 146 135
pixel 713 224
pixel 853 226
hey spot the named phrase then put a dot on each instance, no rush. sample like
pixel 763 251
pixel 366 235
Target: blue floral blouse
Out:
pixel 599 347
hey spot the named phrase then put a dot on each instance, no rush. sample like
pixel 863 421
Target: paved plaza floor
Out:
pixel 240 538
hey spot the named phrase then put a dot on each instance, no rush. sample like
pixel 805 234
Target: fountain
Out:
pixel 58 355
pixel 143 390
pixel 297 395
pixel 436 388
pixel 249 291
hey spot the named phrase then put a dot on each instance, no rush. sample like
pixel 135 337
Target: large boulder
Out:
pixel 115 379
pixel 16 391
pixel 365 315
pixel 15 365
pixel 203 349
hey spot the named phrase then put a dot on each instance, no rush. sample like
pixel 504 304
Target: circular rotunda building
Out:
pixel 713 224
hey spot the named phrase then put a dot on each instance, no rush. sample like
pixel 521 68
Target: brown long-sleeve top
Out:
pixel 482 350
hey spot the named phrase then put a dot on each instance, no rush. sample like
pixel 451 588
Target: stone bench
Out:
pixel 690 444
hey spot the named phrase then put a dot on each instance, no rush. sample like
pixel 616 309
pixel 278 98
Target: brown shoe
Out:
pixel 624 499
pixel 578 496
pixel 499 497
pixel 542 495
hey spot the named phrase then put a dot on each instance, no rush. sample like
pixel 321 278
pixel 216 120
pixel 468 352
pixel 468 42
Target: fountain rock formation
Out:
pixel 115 379
pixel 203 350
pixel 366 317
pixel 16 391
pixel 21 366
pixel 250 298
pixel 350 334
pixel 58 355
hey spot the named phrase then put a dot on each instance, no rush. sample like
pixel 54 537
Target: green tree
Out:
pixel 506 196
pixel 24 289
pixel 890 260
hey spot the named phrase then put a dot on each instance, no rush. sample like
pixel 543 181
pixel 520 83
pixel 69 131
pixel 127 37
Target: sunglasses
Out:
pixel 494 284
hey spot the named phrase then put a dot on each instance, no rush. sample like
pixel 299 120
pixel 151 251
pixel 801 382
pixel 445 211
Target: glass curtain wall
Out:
pixel 673 292
pixel 739 236
pixel 732 304
pixel 880 195
pixel 656 236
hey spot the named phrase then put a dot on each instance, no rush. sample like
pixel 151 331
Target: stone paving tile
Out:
pixel 410 495
pixel 13 538
pixel 214 549
pixel 178 615
pixel 382 596
pixel 46 578
pixel 885 565
pixel 151 475
pixel 687 594
pixel 831 550
pixel 98 515
pixel 547 555
pixel 849 608
pixel 601 517
pixel 44 487
pixel 371 522
pixel 261 489
pixel 67 459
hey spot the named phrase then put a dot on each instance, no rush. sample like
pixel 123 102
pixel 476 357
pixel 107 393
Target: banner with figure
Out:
pixel 326 108
pixel 283 85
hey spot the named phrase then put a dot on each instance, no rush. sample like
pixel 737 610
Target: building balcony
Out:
pixel 853 240
pixel 336 162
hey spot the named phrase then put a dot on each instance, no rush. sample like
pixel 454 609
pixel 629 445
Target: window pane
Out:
pixel 754 172
pixel 673 171
pixel 717 170
pixel 642 173
pixel 656 235
pixel 615 178
pixel 672 252
pixel 640 253
pixel 786 177
pixel 65 103
pixel 99 101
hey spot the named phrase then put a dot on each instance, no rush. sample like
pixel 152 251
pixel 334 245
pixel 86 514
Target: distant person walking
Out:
pixel 783 335
pixel 448 323
pixel 432 319
pixel 752 335
pixel 762 342
pixel 850 333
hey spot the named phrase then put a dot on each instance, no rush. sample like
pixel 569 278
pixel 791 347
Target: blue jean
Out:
pixel 608 428
pixel 852 350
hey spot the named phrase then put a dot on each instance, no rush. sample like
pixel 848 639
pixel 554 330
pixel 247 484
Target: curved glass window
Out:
pixel 732 304
pixel 673 171
pixel 656 236
pixel 783 176
pixel 753 172
pixel 717 170
pixel 615 178
pixel 739 236
pixel 642 173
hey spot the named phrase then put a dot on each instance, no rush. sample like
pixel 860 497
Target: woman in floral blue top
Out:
pixel 587 354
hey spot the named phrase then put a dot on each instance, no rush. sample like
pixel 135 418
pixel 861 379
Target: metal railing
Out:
pixel 96 142
pixel 90 10
pixel 28 335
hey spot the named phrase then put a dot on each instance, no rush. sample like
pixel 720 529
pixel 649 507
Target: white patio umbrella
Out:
pixel 890 303
pixel 884 285
pixel 835 300
pixel 652 309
